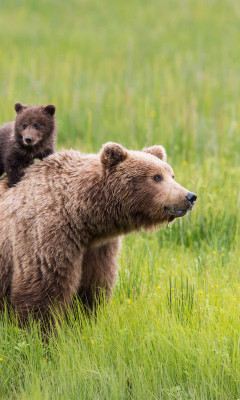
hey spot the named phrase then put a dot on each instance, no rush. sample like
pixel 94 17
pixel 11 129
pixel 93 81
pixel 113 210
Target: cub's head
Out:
pixel 145 185
pixel 33 124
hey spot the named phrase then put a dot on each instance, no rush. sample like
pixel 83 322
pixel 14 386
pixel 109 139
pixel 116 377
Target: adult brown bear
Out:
pixel 60 227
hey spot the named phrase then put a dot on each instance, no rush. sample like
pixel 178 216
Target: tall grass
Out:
pixel 139 73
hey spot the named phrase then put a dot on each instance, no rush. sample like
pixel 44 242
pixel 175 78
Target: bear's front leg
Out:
pixel 6 270
pixel 99 270
pixel 40 301
pixel 44 288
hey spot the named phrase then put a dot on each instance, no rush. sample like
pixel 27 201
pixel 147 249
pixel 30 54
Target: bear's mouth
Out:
pixel 177 213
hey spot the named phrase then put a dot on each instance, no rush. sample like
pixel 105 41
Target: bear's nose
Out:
pixel 191 197
pixel 28 140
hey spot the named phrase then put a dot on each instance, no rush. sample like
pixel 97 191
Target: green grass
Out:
pixel 139 73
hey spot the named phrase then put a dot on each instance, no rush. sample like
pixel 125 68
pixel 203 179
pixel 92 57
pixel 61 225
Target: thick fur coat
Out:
pixel 60 227
pixel 30 136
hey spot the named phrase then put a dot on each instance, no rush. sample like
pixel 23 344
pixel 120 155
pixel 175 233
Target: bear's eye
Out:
pixel 173 176
pixel 24 126
pixel 157 178
pixel 36 126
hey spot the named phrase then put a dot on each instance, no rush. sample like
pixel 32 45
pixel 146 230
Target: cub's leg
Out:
pixel 14 171
pixel 99 269
pixel 46 153
pixel 1 169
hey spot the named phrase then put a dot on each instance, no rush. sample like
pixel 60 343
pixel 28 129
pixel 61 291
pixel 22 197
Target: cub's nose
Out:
pixel 191 197
pixel 28 140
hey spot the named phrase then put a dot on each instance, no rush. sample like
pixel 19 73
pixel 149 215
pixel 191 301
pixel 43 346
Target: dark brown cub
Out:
pixel 30 136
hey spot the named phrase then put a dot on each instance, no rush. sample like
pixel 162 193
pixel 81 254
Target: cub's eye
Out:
pixel 173 176
pixel 24 126
pixel 36 126
pixel 157 178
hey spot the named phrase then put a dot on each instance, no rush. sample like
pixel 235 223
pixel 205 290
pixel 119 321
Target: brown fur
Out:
pixel 3 186
pixel 30 136
pixel 60 227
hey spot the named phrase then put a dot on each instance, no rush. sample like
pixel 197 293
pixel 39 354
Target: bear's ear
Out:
pixel 19 107
pixel 157 151
pixel 50 109
pixel 112 154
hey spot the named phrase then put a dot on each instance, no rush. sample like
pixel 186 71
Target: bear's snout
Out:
pixel 191 198
pixel 28 140
pixel 185 205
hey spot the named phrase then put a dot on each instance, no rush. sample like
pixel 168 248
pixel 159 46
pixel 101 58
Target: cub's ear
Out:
pixel 50 109
pixel 157 151
pixel 112 154
pixel 19 107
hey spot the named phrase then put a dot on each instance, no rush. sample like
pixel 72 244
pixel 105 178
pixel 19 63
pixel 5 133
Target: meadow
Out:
pixel 139 73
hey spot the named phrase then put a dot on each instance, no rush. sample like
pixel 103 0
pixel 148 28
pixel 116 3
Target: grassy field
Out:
pixel 139 73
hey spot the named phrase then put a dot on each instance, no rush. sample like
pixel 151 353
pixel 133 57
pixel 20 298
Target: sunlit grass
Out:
pixel 139 73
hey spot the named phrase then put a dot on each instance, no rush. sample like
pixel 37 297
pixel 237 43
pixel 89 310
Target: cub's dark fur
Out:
pixel 30 136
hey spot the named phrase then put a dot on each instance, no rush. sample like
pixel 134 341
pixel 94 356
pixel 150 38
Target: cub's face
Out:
pixel 34 123
pixel 147 185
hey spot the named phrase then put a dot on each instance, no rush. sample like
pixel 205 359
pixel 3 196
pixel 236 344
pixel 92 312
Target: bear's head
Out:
pixel 33 124
pixel 144 185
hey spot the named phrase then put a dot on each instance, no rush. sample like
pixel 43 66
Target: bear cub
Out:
pixel 30 136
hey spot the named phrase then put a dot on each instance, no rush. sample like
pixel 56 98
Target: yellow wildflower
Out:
pixel 214 252
pixel 1 359
pixel 200 292
pixel 185 163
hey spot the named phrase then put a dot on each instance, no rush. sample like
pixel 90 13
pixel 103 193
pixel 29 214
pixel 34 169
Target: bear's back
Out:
pixel 37 205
